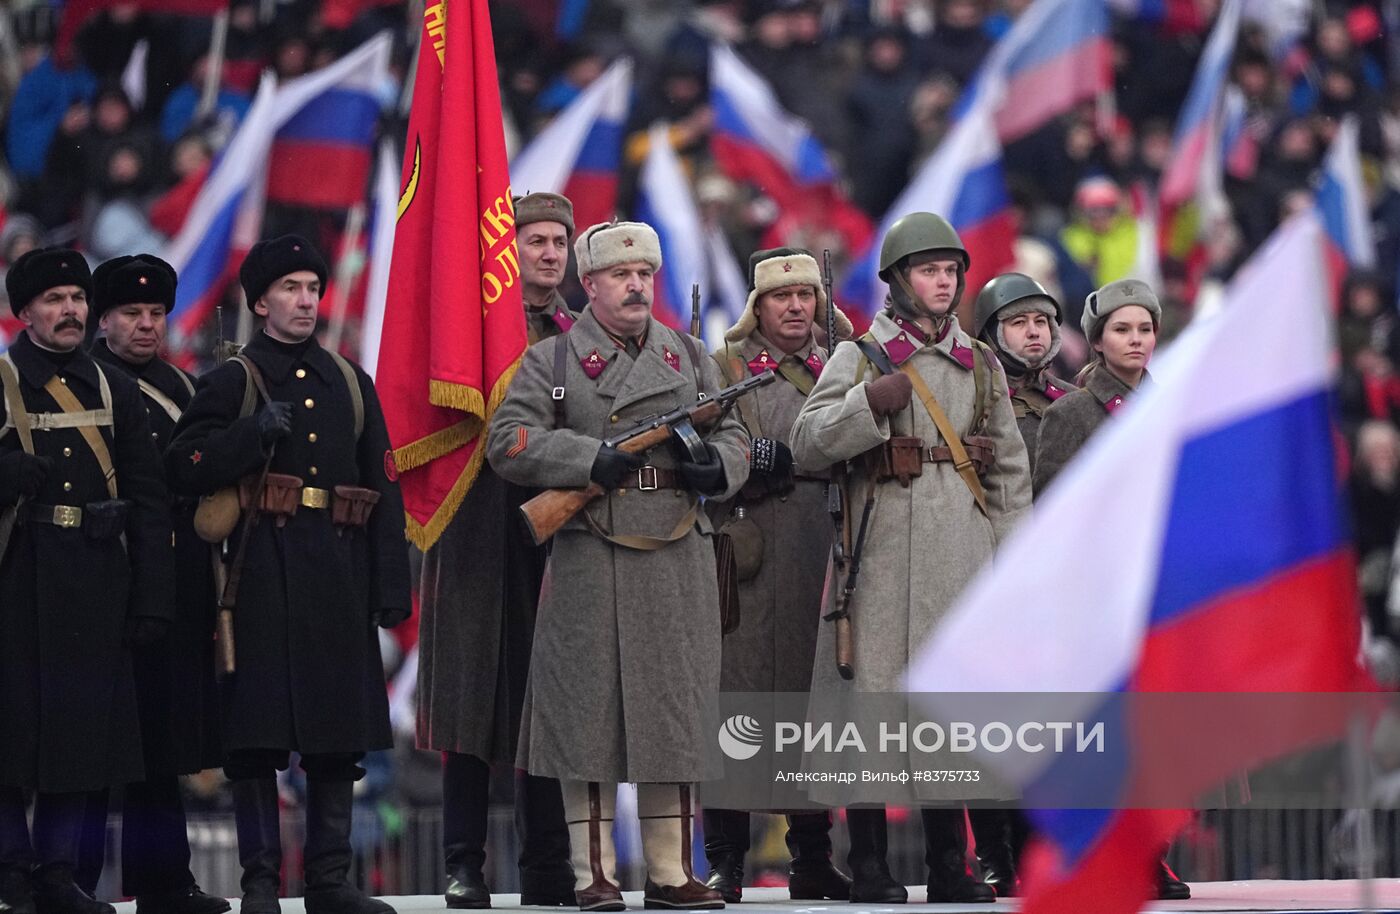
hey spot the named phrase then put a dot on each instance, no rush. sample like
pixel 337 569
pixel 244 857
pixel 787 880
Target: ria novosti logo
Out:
pixel 740 737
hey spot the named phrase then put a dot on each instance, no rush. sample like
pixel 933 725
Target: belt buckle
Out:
pixel 67 516
pixel 645 473
pixel 314 498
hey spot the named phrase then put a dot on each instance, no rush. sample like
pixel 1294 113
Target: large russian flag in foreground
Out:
pixel 1204 550
pixel 580 152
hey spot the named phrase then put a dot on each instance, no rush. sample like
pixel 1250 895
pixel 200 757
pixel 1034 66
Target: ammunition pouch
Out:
pixel 281 496
pixel 746 538
pixel 105 520
pixel 352 506
pixel 902 458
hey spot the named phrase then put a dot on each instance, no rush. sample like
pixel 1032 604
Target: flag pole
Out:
pixel 347 270
pixel 214 70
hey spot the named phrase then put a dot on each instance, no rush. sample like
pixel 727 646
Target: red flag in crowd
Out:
pixel 454 328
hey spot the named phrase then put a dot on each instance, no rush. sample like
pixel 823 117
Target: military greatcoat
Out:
pixel 1031 395
pixel 309 675
pixel 1073 418
pixel 479 592
pixel 773 647
pixel 624 676
pixel 175 684
pixel 68 720
pixel 925 542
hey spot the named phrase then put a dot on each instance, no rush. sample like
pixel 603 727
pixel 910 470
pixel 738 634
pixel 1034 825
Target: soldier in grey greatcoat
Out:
pixel 931 527
pixel 1120 321
pixel 624 676
pixel 480 587
pixel 782 536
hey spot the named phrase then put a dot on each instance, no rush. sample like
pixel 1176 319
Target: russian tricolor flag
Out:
pixel 1199 120
pixel 1205 549
pixel 757 141
pixel 579 153
pixel 321 156
pixel 1173 15
pixel 1341 198
pixel 226 218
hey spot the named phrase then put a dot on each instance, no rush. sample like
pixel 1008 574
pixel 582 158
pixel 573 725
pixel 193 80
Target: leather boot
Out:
pixel 667 830
pixel 329 805
pixel 726 845
pixel 466 787
pixel 546 877
pixel 588 810
pixel 92 848
pixel 811 875
pixel 945 852
pixel 1169 884
pixel 871 882
pixel 256 818
pixel 58 833
pixel 16 893
pixel 156 851
pixel 991 829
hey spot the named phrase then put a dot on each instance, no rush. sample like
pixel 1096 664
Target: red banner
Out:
pixel 454 327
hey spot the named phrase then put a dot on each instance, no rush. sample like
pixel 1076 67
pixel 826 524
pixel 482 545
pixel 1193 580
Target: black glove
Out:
pixel 144 631
pixel 22 474
pixel 705 478
pixel 388 618
pixel 611 466
pixel 770 462
pixel 274 422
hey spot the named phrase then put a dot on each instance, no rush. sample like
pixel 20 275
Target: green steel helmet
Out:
pixel 1004 290
pixel 917 232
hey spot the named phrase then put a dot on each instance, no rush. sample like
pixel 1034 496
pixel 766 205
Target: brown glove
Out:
pixel 888 393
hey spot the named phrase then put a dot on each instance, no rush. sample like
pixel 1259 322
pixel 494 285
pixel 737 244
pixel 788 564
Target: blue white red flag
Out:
pixel 665 202
pixel 757 141
pixel 226 217
pixel 1200 115
pixel 1198 543
pixel 1341 198
pixel 578 154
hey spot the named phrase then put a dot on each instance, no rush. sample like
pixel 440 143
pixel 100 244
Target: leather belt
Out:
pixel 66 516
pixel 980 456
pixel 650 478
pixel 312 497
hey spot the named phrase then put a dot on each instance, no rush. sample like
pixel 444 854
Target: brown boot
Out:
pixel 665 813
pixel 589 810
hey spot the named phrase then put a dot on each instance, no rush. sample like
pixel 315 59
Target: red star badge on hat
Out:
pixel 627 242
pixel 296 247
pixel 549 204
pixel 196 457
pixel 141 280
pixel 787 268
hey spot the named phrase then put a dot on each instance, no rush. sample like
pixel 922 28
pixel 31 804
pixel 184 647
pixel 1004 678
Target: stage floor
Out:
pixel 1320 895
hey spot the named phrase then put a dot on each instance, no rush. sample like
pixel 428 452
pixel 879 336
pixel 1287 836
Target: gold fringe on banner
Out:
pixel 424 535
pixel 451 395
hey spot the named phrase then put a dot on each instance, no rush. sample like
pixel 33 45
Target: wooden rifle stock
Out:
pixel 550 510
pixel 225 663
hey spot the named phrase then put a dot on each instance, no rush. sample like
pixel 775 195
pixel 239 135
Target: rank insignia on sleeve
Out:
pixel 196 457
pixel 671 358
pixel 522 435
pixel 761 363
pixel 391 466
pixel 593 364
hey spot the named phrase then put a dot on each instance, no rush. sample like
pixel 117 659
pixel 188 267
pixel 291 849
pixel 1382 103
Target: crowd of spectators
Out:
pixel 104 147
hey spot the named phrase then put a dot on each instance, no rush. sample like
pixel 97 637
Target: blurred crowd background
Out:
pixel 106 143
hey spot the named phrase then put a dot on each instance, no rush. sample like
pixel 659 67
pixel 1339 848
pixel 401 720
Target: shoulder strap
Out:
pixel 731 367
pixel 14 404
pixel 98 445
pixel 561 351
pixel 357 398
pixel 185 380
pixel 982 381
pixel 160 399
pixel 874 355
pixel 961 462
pixel 250 390
pixel 689 343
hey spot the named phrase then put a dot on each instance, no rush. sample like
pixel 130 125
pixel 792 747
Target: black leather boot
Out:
pixel 58 831
pixel 811 875
pixel 945 852
pixel 329 807
pixel 726 845
pixel 546 875
pixel 466 788
pixel 991 829
pixel 16 893
pixel 156 851
pixel 871 881
pixel 1169 884
pixel 257 819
